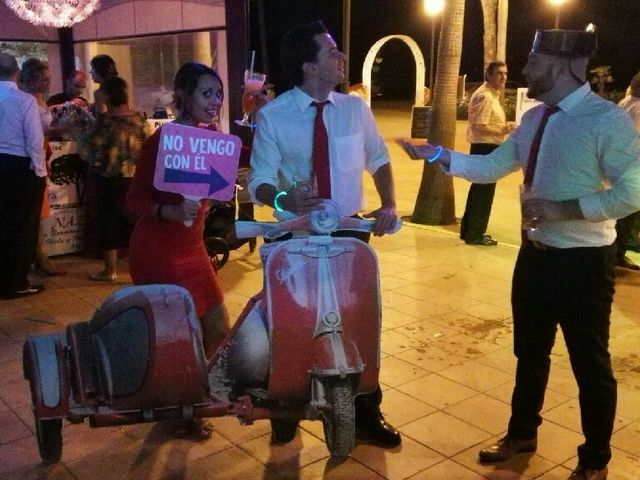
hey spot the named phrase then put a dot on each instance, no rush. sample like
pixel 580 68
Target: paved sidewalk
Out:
pixel 447 370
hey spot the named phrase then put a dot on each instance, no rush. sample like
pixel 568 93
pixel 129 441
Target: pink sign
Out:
pixel 197 162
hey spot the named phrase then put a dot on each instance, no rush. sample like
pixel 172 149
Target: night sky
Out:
pixel 618 23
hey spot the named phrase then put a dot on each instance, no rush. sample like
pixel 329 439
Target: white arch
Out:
pixel 417 55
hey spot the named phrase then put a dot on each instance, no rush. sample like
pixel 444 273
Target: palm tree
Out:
pixel 494 18
pixel 489 15
pixel 435 204
pixel 503 14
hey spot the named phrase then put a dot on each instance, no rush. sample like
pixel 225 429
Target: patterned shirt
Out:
pixel 113 143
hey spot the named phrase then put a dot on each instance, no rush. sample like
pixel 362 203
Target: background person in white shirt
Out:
pixel 487 129
pixel 22 181
pixel 587 174
pixel 282 155
pixel 627 227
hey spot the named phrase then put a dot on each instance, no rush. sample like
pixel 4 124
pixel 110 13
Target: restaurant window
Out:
pixel 148 64
pixel 23 50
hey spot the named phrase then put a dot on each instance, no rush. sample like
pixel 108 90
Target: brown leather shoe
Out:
pixel 582 473
pixel 505 448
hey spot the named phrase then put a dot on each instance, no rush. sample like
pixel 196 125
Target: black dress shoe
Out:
pixel 485 241
pixel 626 263
pixel 505 448
pixel 583 473
pixel 27 292
pixel 376 430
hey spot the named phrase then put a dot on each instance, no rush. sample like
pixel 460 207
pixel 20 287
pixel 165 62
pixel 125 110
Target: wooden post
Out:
pixel 67 55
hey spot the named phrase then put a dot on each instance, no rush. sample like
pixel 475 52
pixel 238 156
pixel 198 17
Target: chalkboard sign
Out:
pixel 420 120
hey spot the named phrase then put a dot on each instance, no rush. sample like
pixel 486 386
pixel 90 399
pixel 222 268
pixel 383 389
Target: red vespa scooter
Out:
pixel 301 349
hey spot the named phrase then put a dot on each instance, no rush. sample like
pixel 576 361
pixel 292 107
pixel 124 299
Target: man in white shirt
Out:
pixel 487 129
pixel 22 180
pixel 282 155
pixel 584 168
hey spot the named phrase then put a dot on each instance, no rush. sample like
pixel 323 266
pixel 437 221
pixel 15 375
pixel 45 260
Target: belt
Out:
pixel 542 246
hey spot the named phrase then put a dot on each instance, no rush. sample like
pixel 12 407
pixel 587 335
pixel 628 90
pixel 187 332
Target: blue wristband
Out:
pixel 276 203
pixel 439 151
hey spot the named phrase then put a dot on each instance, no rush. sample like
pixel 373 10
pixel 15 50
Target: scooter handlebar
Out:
pixel 324 222
pixel 362 225
pixel 247 229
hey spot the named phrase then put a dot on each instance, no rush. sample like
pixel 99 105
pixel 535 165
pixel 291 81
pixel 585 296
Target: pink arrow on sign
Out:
pixel 196 162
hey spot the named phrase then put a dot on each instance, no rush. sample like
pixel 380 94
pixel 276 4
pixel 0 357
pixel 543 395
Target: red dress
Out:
pixel 163 251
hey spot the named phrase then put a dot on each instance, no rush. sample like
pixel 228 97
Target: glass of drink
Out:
pixel 253 83
pixel 306 185
pixel 529 219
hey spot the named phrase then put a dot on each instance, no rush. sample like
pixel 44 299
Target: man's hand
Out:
pixel 424 151
pixel 538 210
pixel 386 219
pixel 300 200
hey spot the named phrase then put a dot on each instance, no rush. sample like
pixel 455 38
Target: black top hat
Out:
pixel 566 43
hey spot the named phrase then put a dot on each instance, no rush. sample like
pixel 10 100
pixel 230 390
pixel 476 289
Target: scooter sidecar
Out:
pixel 138 359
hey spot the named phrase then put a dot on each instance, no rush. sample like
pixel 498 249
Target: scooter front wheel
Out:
pixel 49 433
pixel 339 421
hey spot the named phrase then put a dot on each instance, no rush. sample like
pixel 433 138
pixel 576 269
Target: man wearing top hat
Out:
pixel 584 170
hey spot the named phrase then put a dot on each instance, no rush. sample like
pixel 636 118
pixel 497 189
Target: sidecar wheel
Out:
pixel 49 433
pixel 283 430
pixel 340 421
pixel 218 251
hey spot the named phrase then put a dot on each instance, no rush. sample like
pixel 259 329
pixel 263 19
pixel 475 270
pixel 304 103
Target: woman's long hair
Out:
pixel 104 66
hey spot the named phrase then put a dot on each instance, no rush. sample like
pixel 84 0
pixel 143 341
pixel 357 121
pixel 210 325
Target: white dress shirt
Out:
pixel 486 116
pixel 631 105
pixel 283 142
pixel 590 151
pixel 20 128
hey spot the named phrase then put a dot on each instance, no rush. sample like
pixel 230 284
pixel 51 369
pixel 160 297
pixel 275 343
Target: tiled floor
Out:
pixel 447 371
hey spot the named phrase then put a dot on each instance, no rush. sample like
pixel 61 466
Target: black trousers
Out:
pixel 573 288
pixel 113 223
pixel 624 229
pixel 479 201
pixel 21 193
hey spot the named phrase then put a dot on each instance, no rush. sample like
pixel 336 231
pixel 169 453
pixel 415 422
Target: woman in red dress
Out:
pixel 162 249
